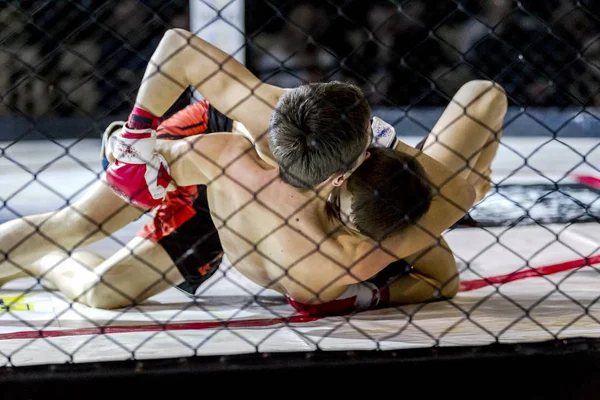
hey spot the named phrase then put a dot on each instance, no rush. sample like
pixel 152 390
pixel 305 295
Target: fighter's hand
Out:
pixel 138 174
pixel 108 141
pixel 384 134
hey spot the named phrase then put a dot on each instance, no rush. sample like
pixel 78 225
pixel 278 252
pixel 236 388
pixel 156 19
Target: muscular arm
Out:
pixel 463 140
pixel 182 60
pixel 461 145
pixel 453 196
pixel 198 160
pixel 435 276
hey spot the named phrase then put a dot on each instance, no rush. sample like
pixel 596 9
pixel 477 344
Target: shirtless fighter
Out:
pixel 137 271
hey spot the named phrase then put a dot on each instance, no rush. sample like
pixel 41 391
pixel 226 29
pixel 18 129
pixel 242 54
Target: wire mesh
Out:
pixel 74 67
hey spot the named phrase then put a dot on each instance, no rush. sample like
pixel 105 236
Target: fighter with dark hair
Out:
pixel 300 188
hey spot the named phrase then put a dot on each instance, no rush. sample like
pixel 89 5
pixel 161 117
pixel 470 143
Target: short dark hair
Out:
pixel 318 129
pixel 390 190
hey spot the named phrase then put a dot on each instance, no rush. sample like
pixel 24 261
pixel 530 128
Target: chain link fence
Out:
pixel 68 69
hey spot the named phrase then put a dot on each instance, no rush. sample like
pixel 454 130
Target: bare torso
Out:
pixel 279 238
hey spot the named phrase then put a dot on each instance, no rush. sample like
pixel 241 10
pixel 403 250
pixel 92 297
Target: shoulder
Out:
pixel 214 153
pixel 219 147
pixel 240 149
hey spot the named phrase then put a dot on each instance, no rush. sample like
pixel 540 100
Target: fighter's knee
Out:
pixel 105 298
pixel 486 94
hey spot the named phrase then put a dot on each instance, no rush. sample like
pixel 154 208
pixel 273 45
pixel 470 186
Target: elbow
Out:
pixel 171 150
pixel 460 196
pixel 175 43
pixel 465 198
pixel 176 35
pixel 449 289
pixel 485 97
pixel 176 155
pixel 448 283
pixel 495 98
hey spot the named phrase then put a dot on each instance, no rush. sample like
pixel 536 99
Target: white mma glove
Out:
pixel 384 134
pixel 139 174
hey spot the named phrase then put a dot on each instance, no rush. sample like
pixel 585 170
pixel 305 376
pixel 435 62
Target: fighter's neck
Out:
pixel 310 205
pixel 301 209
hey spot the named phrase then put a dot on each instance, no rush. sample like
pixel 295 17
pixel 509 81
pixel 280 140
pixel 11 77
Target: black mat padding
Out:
pixel 509 205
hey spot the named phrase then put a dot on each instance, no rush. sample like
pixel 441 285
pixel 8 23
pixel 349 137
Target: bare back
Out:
pixel 279 238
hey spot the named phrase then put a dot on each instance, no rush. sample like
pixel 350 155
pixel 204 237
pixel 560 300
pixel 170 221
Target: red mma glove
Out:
pixel 139 174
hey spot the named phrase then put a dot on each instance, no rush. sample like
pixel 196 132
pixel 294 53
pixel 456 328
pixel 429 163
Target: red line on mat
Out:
pixel 530 273
pixel 588 180
pixel 240 323
pixel 263 322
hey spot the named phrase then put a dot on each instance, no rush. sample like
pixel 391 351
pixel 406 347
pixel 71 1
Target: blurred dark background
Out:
pixel 418 52
pixel 79 58
pixel 68 67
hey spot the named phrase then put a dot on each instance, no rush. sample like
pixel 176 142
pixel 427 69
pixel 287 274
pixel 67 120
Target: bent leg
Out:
pixel 466 137
pixel 138 271
pixel 98 214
